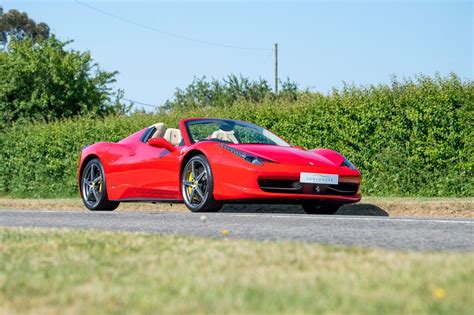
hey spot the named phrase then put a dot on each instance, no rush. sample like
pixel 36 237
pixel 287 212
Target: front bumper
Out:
pixel 243 181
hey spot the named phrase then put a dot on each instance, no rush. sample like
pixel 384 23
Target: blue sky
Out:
pixel 321 43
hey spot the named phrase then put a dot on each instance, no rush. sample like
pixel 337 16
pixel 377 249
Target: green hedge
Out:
pixel 410 138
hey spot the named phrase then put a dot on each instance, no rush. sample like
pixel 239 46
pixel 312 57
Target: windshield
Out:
pixel 231 131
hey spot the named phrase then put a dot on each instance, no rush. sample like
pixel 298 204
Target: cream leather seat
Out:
pixel 173 136
pixel 160 130
pixel 224 135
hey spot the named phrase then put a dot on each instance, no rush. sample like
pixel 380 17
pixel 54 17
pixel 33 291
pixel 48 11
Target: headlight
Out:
pixel 247 157
pixel 349 164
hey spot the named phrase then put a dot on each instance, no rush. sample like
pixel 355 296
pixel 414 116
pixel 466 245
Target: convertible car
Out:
pixel 208 162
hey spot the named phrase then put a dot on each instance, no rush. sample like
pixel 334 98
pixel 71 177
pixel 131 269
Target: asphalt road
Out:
pixel 385 232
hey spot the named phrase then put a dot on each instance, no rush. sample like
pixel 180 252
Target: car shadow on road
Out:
pixel 351 209
pixel 362 209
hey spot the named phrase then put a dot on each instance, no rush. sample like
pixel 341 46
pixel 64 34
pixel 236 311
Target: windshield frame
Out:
pixel 188 122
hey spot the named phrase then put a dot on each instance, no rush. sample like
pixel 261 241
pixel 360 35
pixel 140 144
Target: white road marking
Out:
pixel 386 219
pixel 41 211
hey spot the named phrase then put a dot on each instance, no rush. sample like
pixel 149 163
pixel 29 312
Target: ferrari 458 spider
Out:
pixel 208 162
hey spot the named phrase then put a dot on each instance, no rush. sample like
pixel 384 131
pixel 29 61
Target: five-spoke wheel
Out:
pixel 197 186
pixel 93 190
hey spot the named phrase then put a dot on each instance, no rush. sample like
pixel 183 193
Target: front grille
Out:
pixel 345 189
pixel 279 185
pixel 295 187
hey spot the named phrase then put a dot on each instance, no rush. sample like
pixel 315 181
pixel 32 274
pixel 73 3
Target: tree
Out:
pixel 17 25
pixel 45 81
pixel 215 93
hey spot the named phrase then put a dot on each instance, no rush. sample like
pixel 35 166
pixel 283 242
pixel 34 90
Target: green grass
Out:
pixel 84 272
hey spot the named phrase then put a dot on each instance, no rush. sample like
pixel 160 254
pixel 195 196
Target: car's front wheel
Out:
pixel 93 190
pixel 197 184
pixel 315 207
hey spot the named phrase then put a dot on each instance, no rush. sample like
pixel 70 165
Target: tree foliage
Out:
pixel 46 81
pixel 17 25
pixel 214 93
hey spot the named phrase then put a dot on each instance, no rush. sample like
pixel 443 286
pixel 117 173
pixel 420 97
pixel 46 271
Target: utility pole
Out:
pixel 276 69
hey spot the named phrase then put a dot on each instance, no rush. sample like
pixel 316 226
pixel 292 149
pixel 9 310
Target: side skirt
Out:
pixel 152 200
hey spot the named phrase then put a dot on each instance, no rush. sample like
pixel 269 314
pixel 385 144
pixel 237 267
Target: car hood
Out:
pixel 293 156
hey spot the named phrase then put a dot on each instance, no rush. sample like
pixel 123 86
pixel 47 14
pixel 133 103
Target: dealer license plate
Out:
pixel 316 178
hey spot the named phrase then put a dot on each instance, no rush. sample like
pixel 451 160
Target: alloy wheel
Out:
pixel 92 182
pixel 195 184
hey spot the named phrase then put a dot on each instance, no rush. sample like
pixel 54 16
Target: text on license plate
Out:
pixel 316 178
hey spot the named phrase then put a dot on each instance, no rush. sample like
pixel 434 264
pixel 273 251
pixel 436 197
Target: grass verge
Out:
pixel 375 206
pixel 86 272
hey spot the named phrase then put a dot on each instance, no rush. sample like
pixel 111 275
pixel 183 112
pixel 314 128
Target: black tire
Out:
pixel 197 186
pixel 315 207
pixel 93 188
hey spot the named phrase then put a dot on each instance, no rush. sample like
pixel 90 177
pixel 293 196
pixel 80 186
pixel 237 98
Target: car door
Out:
pixel 155 172
pixel 136 170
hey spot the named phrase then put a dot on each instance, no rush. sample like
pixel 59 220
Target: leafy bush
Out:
pixel 409 138
pixel 44 81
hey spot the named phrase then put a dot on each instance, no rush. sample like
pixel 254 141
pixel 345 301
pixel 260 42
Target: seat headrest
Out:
pixel 173 136
pixel 224 135
pixel 160 130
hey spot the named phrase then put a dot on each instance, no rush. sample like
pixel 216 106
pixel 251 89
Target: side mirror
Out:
pixel 299 147
pixel 161 143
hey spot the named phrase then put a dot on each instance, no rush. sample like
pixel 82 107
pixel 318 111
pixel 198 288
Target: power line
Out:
pixel 205 42
pixel 139 103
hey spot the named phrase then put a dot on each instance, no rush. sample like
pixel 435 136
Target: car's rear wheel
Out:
pixel 315 207
pixel 197 185
pixel 93 190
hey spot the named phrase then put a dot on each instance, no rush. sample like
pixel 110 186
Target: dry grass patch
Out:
pixel 75 204
pixel 418 207
pixel 376 206
pixel 84 272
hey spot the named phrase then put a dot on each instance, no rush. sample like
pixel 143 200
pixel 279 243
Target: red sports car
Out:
pixel 208 162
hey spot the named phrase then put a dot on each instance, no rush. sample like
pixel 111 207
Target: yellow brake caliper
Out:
pixel 190 189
